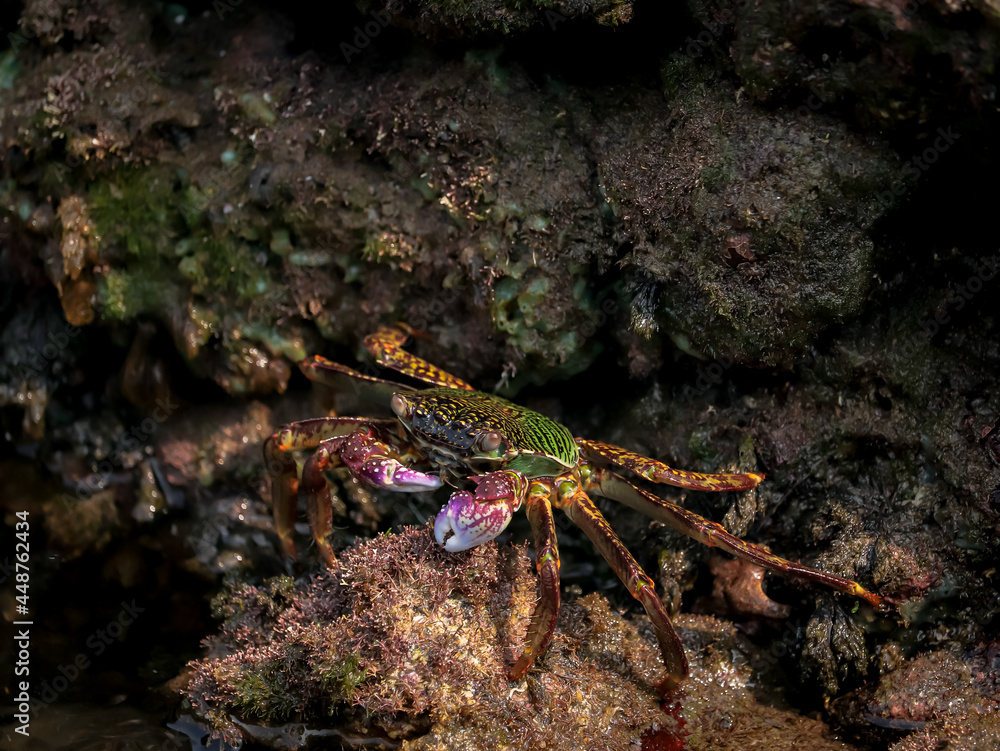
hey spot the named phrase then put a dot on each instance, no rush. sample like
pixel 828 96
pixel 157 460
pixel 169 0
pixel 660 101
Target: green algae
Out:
pixel 127 294
pixel 521 307
pixel 149 218
pixel 226 264
pixel 260 689
pixel 8 70
pixel 276 339
pixel 340 676
pixel 137 210
pixel 281 242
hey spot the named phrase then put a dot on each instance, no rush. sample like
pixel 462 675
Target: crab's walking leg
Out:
pixel 578 506
pixel 543 620
pixel 280 462
pixel 319 503
pixel 342 379
pixel 660 472
pixel 607 483
pixel 367 453
pixel 368 458
pixel 386 345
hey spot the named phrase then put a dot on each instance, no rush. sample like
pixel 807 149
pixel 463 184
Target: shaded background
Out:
pixel 724 234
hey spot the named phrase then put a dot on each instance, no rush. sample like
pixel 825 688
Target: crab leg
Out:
pixel 358 442
pixel 543 620
pixel 614 486
pixel 319 501
pixel 660 472
pixel 340 377
pixel 368 455
pixel 578 506
pixel 281 467
pixel 386 345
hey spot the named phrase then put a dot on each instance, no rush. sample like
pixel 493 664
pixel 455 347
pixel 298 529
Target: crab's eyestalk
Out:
pixel 475 519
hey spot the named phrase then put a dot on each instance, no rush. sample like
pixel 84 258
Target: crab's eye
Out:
pixel 399 405
pixel 491 441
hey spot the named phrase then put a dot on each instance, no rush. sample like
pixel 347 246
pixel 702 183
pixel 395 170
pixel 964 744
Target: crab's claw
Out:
pixel 386 472
pixel 470 522
pixel 475 519
pixel 374 462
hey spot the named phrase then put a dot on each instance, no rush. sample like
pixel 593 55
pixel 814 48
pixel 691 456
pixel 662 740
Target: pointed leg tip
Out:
pixel 327 554
pixel 288 548
pixel 670 685
pixel 517 671
pixel 881 604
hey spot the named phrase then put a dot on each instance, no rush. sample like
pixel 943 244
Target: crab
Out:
pixel 499 457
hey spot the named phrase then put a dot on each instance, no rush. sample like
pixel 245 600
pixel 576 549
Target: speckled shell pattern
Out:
pixel 452 418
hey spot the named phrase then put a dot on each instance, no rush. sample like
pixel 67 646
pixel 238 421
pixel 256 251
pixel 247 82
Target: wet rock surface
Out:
pixel 737 236
pixel 411 644
pixel 407 642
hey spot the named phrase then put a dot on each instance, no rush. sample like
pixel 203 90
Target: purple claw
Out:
pixel 370 460
pixel 383 472
pixel 471 522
